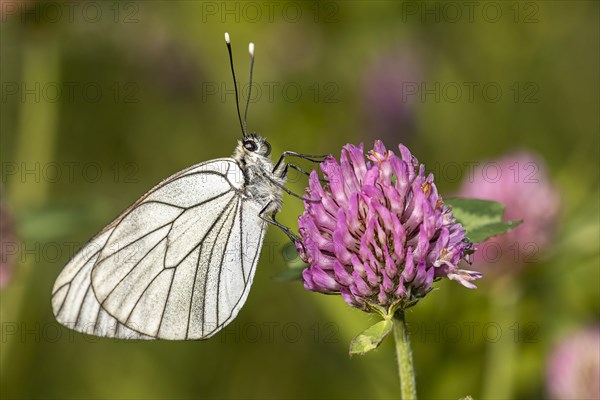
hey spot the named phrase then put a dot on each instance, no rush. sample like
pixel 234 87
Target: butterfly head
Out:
pixel 254 144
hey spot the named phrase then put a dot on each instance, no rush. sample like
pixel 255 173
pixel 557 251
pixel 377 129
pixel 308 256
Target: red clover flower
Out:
pixel 380 234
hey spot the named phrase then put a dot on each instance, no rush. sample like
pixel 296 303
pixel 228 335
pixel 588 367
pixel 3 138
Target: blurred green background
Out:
pixel 101 100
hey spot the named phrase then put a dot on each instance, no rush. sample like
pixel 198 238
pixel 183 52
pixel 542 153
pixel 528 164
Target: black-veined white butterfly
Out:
pixel 178 264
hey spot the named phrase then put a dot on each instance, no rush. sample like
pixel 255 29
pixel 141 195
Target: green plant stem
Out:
pixel 501 357
pixel 408 388
pixel 37 136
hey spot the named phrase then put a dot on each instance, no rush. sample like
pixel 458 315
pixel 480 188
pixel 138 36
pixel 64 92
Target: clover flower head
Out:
pixel 377 232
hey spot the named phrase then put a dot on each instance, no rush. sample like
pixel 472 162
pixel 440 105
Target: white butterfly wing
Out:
pixel 73 300
pixel 176 265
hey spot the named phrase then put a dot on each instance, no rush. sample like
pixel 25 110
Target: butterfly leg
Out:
pixel 297 168
pixel 288 191
pixel 270 218
pixel 315 159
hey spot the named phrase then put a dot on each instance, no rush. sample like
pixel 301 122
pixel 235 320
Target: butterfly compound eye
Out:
pixel 250 145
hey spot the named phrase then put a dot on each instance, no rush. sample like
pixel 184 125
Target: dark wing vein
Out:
pixel 201 244
pixel 187 331
pixel 69 284
pixel 81 304
pixel 212 173
pixel 253 265
pixel 208 270
pixel 162 316
pixel 129 272
pixel 142 295
pixel 242 242
pixel 130 244
pixel 223 256
pixel 195 205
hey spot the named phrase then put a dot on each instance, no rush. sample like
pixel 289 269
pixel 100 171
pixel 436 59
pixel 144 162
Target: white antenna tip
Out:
pixel 251 49
pixel 227 38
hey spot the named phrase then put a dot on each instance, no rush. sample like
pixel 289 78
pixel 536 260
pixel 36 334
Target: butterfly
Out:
pixel 179 263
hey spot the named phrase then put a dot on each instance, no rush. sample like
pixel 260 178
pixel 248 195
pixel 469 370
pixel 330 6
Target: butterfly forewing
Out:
pixel 176 265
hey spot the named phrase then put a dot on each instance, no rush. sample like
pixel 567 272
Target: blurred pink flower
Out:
pixel 390 95
pixel 573 370
pixel 519 181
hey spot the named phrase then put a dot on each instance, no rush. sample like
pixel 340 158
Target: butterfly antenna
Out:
pixel 251 51
pixel 237 101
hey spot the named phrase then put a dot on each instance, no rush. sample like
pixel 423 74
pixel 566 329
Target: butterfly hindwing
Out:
pixel 74 303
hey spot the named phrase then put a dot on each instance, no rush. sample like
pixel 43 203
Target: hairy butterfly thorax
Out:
pixel 262 181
